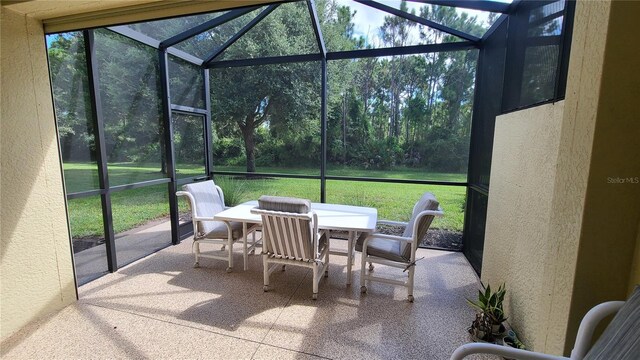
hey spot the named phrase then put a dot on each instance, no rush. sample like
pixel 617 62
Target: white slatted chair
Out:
pixel 206 199
pixel 290 237
pixel 398 251
pixel 619 341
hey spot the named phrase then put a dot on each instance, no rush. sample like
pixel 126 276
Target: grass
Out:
pixel 399 172
pixel 132 208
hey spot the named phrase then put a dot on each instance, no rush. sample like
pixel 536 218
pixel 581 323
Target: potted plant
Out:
pixel 511 340
pixel 490 314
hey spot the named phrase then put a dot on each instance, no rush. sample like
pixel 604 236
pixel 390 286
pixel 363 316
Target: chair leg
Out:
pixel 195 248
pixel 326 261
pixel 315 281
pixel 410 284
pixel 363 273
pixel 265 272
pixel 230 249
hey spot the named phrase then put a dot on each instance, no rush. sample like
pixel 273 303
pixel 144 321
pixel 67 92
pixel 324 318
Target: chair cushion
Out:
pixel 427 202
pixel 208 203
pixel 621 339
pixel 220 231
pixel 383 248
pixel 286 204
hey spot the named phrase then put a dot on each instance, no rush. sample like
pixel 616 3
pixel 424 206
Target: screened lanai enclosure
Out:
pixel 356 102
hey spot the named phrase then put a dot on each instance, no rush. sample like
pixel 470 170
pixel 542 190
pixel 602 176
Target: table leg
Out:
pixel 352 235
pixel 245 255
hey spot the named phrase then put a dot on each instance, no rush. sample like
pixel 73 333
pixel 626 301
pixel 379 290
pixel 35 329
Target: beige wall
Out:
pixel 583 255
pixel 612 202
pixel 36 268
pixel 576 143
pixel 517 246
pixel 634 277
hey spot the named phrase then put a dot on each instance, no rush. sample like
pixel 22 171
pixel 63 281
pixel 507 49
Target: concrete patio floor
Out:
pixel 161 307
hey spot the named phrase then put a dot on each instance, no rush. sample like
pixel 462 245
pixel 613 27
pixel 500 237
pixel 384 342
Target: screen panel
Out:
pixel 131 108
pixel 141 222
pixel 87 238
pixel 74 110
pixel 188 144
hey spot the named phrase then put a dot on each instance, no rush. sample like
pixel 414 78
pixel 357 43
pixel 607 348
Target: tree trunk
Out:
pixel 344 129
pixel 249 147
pixel 66 141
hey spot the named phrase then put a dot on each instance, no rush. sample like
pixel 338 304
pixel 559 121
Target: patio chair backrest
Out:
pixel 621 339
pixel 427 202
pixel 207 203
pixel 287 227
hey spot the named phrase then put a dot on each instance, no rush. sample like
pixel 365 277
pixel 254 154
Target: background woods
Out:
pixel 411 111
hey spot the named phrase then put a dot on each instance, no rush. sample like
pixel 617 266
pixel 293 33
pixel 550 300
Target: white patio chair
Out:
pixel 206 200
pixel 619 341
pixel 398 251
pixel 290 237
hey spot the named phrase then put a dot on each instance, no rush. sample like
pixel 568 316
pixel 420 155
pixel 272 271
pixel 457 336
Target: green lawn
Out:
pixel 396 173
pixel 132 208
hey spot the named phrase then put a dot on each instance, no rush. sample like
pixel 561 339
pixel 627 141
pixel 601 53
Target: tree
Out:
pixel 395 32
pixel 273 96
pixel 381 111
pixel 72 103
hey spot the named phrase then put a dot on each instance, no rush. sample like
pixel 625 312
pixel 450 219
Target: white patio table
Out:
pixel 331 217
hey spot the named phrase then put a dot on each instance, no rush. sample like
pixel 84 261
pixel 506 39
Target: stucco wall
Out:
pixel 36 267
pixel 612 201
pixel 586 256
pixel 574 157
pixel 517 246
pixel 634 277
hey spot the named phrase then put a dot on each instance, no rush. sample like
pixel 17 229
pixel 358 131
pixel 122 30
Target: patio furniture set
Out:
pixel 297 232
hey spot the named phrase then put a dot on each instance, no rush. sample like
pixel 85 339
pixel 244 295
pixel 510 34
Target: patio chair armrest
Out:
pixel 504 351
pixel 386 237
pixel 588 325
pixel 185 193
pixel 203 218
pixel 192 202
pixel 390 222
pixel 438 213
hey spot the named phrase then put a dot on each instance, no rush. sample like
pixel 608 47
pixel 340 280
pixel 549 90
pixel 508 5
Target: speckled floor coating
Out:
pixel 162 307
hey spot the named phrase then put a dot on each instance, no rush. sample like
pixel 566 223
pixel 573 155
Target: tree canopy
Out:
pixel 412 110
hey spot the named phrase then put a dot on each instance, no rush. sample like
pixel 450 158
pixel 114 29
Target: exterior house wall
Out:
pixel 612 200
pixel 634 277
pixel 37 271
pixel 584 253
pixel 517 245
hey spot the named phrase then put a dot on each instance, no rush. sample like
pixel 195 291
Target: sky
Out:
pixel 368 20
